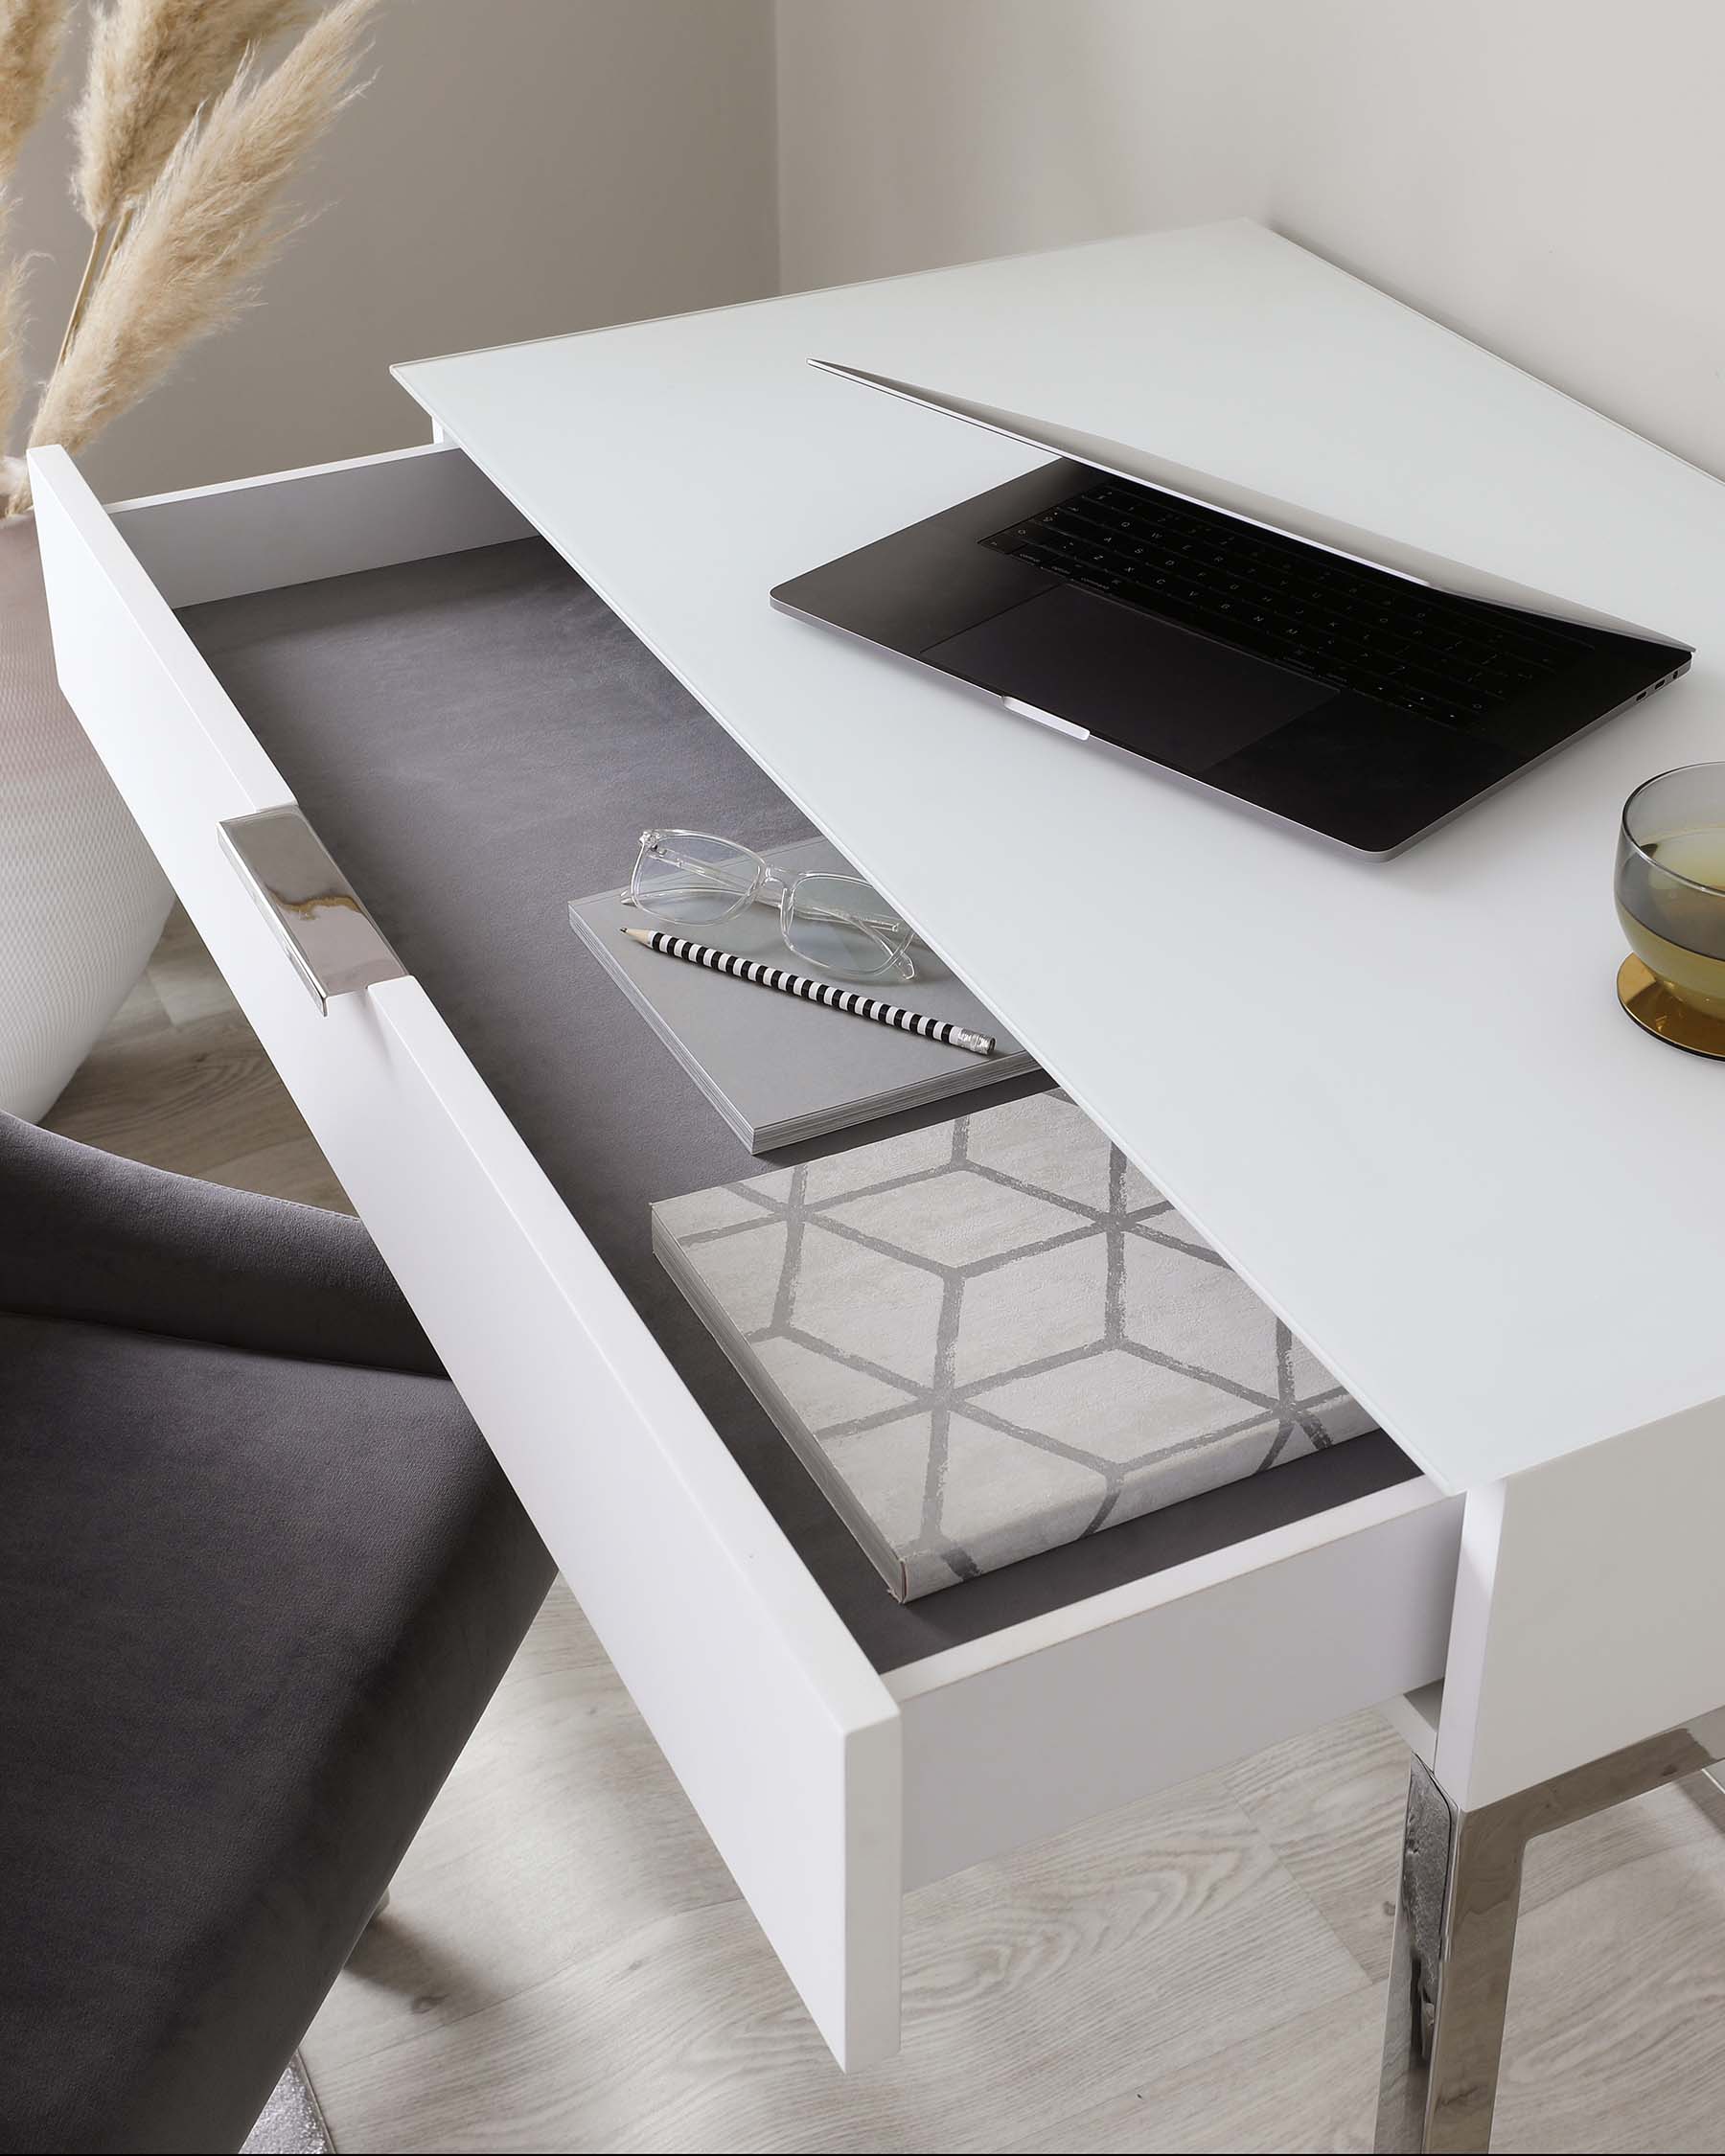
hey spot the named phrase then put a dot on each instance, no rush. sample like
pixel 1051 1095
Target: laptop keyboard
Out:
pixel 1359 628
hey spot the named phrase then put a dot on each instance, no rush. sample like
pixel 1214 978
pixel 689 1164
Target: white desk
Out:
pixel 1399 1098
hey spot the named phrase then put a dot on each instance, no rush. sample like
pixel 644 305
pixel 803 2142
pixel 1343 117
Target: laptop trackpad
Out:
pixel 1130 679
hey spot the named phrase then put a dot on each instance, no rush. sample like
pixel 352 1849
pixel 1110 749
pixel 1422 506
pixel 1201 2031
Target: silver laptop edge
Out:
pixel 1122 461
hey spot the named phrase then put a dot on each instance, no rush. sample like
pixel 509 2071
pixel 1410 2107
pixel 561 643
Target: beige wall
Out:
pixel 519 167
pixel 1546 176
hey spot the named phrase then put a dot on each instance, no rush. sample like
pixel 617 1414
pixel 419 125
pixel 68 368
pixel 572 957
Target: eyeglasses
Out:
pixel 838 923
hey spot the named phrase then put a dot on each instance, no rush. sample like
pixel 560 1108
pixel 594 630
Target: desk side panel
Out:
pixel 1590 1608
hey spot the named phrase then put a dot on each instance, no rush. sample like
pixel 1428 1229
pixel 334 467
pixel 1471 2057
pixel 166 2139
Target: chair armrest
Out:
pixel 87 1235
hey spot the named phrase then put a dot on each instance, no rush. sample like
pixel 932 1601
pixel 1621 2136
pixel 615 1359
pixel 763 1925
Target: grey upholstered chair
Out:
pixel 259 1575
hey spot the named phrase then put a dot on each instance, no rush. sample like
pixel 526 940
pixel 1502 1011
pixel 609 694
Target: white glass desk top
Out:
pixel 1398 1096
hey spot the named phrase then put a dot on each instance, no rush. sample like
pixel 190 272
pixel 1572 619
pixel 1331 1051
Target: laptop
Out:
pixel 1330 677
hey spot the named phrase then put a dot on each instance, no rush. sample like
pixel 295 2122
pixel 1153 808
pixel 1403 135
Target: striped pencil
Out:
pixel 851 1000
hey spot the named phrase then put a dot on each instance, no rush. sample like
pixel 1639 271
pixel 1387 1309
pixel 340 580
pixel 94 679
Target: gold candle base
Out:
pixel 1650 1003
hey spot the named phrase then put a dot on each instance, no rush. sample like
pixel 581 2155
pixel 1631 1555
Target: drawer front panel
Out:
pixel 1212 1662
pixel 786 1741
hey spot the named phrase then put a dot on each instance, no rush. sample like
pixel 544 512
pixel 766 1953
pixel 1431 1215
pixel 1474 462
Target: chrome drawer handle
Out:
pixel 335 945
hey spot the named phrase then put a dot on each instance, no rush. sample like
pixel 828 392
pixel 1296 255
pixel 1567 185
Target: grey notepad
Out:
pixel 778 1069
pixel 993 1337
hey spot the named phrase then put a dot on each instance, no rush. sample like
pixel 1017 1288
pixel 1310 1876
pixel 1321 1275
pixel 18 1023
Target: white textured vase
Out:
pixel 81 899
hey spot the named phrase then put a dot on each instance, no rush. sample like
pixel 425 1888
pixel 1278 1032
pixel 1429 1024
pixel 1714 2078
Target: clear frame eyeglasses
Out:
pixel 836 924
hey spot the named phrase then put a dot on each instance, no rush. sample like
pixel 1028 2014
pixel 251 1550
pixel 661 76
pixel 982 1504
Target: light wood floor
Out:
pixel 566 1965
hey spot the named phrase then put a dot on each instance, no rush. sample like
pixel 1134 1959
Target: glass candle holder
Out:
pixel 1670 900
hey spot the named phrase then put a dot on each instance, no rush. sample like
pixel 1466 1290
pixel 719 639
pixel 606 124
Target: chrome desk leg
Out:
pixel 1455 1936
pixel 1449 1974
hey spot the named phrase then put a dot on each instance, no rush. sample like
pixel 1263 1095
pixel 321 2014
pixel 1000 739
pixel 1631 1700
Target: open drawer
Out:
pixel 389 644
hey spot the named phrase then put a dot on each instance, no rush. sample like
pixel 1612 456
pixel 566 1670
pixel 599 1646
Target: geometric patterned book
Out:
pixel 992 1337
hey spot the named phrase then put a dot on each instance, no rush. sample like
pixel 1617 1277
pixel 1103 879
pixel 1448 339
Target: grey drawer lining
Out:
pixel 477 740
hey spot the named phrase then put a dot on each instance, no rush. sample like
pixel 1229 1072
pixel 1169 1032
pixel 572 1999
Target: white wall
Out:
pixel 518 168
pixel 1546 176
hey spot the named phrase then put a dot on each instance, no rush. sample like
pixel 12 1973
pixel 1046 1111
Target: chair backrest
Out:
pixel 87 1235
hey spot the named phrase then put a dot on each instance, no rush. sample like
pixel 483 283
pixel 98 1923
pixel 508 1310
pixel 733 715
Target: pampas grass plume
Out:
pixel 153 63
pixel 30 42
pixel 194 245
pixel 12 358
